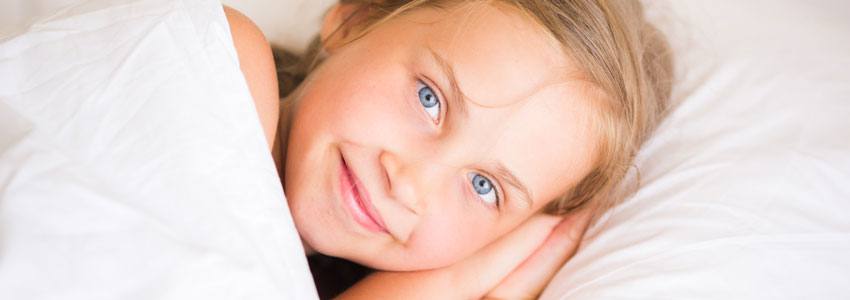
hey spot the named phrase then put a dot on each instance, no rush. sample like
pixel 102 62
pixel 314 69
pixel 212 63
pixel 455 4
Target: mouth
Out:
pixel 357 202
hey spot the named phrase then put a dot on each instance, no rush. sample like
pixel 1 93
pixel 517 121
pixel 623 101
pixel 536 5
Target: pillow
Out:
pixel 744 190
pixel 16 14
pixel 133 164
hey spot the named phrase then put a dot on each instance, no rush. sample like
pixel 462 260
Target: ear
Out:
pixel 340 23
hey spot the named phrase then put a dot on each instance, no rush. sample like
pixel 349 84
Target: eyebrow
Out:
pixel 505 175
pixel 457 97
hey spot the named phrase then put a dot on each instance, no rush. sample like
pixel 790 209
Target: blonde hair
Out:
pixel 620 53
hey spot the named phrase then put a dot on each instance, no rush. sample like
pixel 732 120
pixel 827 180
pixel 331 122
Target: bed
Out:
pixel 743 192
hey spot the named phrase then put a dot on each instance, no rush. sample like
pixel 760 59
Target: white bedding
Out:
pixel 133 164
pixel 745 189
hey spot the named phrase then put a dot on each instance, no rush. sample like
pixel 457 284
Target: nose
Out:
pixel 401 181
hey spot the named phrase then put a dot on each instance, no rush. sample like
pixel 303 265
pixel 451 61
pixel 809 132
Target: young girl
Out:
pixel 440 141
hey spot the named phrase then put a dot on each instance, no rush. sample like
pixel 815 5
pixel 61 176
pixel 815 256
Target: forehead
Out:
pixel 492 44
pixel 528 108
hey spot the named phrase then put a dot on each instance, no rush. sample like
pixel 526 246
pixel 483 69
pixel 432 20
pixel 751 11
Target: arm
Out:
pixel 430 284
pixel 257 65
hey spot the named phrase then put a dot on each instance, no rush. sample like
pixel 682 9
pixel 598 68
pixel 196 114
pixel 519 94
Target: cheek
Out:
pixel 355 107
pixel 444 239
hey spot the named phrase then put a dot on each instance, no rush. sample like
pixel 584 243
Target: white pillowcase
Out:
pixel 745 188
pixel 133 164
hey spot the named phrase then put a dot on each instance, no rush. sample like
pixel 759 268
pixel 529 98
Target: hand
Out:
pixel 521 264
pixel 517 266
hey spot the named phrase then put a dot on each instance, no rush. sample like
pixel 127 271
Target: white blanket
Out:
pixel 133 164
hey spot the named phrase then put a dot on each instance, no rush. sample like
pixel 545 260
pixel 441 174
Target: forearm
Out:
pixel 431 284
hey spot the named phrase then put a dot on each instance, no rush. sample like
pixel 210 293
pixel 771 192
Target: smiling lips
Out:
pixel 357 201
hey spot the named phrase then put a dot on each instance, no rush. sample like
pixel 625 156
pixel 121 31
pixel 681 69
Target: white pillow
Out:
pixel 133 164
pixel 745 188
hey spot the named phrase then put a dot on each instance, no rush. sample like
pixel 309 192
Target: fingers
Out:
pixel 530 278
pixel 486 268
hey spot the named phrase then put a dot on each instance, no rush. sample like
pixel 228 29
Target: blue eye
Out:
pixel 484 188
pixel 429 100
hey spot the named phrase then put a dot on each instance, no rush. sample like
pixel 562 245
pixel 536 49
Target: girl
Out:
pixel 440 141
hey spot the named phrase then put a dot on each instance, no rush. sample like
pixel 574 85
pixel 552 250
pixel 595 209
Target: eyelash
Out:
pixel 420 84
pixel 495 186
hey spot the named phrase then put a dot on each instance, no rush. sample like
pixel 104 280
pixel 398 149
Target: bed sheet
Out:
pixel 133 164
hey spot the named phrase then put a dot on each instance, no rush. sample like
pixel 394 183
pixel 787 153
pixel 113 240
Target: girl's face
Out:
pixel 433 135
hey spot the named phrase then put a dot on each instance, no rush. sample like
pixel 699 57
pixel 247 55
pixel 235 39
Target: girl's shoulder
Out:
pixel 257 65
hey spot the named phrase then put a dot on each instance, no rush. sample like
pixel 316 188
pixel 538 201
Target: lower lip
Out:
pixel 353 203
